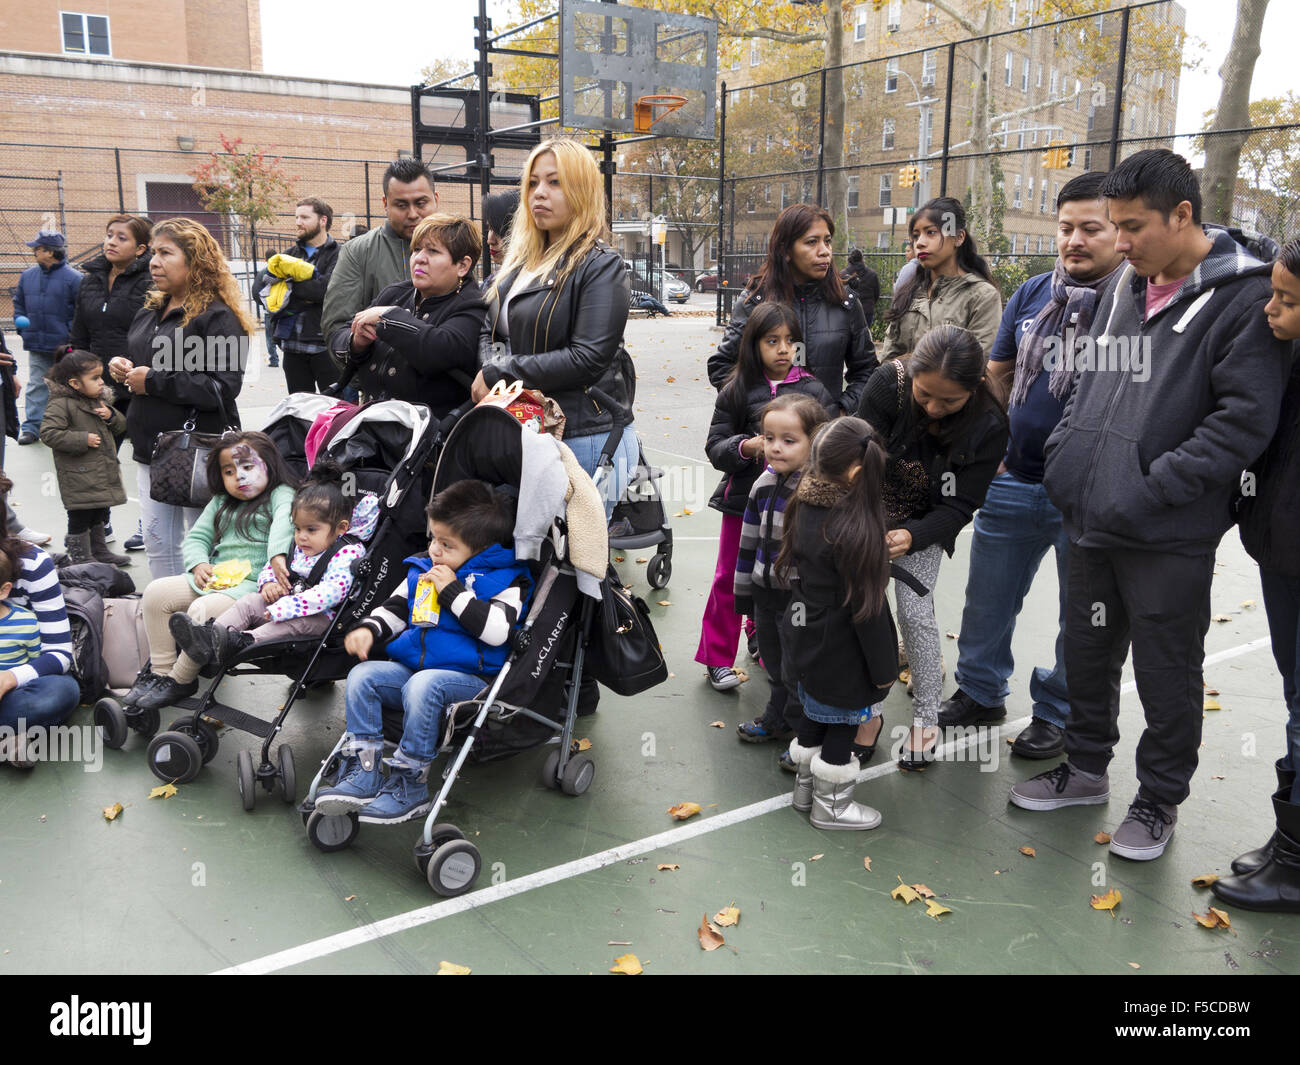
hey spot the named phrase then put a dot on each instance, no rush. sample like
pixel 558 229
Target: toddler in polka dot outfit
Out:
pixel 320 575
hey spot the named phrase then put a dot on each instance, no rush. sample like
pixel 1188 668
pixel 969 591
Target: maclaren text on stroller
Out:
pixel 385 446
pixel 534 699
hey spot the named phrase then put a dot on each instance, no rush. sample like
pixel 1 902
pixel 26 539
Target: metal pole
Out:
pixel 121 200
pixel 1119 88
pixel 482 24
pixel 821 143
pixel 367 166
pixel 947 121
pixel 722 199
pixel 63 221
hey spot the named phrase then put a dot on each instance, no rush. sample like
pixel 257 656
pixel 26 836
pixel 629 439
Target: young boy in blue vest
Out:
pixel 447 632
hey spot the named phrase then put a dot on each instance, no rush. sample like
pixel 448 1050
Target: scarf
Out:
pixel 1070 301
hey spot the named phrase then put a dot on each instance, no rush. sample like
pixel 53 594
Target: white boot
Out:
pixel 833 805
pixel 803 779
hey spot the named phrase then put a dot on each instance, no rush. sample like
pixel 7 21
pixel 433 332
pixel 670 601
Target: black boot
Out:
pixel 101 552
pixel 78 548
pixel 1275 886
pixel 1252 860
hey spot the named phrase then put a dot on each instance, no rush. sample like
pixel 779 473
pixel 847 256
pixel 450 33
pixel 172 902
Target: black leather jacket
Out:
pixel 838 343
pixel 565 338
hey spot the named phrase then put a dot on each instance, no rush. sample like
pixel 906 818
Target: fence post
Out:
pixel 821 144
pixel 121 201
pixel 722 200
pixel 1119 88
pixel 63 221
pixel 947 121
pixel 367 166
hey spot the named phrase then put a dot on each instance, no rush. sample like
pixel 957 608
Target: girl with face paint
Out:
pixel 246 526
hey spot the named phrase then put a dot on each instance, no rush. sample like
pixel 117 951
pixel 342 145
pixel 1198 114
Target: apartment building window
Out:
pixel 887 134
pixel 886 190
pixel 767 142
pixel 1004 133
pixel 1007 73
pixel 1024 125
pixel 1011 13
pixel 895 15
pixel 929 18
pixel 1038 77
pixel 1016 194
pixel 1133 120
pixel 929 67
pixel 1029 194
pixel 1153 122
pixel 1042 202
pixel 85 34
pixel 754 55
pixel 1024 77
pixel 1054 81
pixel 891 75
pixel 785 195
pixel 1013 244
pixel 1092 117
pixel 882 240
pixel 767 193
pixel 1087 159
pixel 860 23
pixel 851 192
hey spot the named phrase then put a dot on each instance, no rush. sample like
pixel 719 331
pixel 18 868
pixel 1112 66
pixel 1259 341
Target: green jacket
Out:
pixel 89 477
pixel 367 264
pixel 966 300
pixel 257 550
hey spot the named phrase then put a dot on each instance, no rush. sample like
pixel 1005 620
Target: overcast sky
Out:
pixel 316 41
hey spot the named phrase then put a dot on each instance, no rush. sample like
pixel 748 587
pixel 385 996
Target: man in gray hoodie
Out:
pixel 1178 388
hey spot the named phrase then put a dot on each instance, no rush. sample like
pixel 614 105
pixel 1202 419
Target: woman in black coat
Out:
pixel 419 339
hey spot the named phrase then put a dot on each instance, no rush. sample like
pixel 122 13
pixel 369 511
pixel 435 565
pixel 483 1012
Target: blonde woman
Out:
pixel 556 312
pixel 185 352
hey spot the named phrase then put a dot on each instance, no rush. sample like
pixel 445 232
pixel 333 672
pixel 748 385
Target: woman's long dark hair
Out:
pixel 775 279
pixel 248 518
pixel 855 528
pixel 748 370
pixel 957 356
pixel 950 216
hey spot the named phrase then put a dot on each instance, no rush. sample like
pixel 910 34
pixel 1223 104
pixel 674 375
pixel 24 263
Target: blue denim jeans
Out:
pixel 43 701
pixel 1013 531
pixel 586 449
pixel 421 696
pixel 1282 604
pixel 36 391
pixel 164 528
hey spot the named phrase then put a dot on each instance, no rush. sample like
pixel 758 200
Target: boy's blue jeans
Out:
pixel 421 696
pixel 1014 529
pixel 44 701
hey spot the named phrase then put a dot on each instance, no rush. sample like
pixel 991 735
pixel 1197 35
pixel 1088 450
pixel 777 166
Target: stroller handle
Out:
pixel 615 432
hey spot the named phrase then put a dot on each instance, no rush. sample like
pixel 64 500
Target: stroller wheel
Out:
pixel 550 769
pixel 110 719
pixel 577 775
pixel 660 571
pixel 288 775
pixel 453 868
pixel 439 834
pixel 145 722
pixel 332 832
pixel 245 779
pixel 175 757
pixel 206 735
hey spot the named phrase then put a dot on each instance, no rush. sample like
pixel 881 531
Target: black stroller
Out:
pixel 386 446
pixel 533 701
pixel 640 521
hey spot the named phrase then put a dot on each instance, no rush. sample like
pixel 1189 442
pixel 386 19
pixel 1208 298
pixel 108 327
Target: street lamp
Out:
pixel 922 139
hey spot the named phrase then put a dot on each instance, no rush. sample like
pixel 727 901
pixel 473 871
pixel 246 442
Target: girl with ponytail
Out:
pixel 952 285
pixel 838 632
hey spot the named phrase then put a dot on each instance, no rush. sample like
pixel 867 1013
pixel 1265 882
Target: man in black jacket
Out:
pixel 1177 390
pixel 297 326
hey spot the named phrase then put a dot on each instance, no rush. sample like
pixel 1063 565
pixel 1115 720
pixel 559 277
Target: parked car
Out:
pixel 707 280
pixel 675 288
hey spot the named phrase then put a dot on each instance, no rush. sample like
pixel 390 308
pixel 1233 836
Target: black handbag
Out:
pixel 624 653
pixel 178 474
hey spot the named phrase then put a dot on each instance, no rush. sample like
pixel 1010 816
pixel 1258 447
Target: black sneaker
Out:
pixel 167 693
pixel 961 709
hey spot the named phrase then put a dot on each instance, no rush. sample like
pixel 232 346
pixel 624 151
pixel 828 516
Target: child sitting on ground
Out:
pixel 447 631
pixel 329 534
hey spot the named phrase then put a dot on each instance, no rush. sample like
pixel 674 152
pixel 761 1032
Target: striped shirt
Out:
pixel 491 621
pixel 761 530
pixel 37 589
pixel 20 639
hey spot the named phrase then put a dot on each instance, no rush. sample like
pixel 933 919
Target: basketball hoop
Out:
pixel 643 112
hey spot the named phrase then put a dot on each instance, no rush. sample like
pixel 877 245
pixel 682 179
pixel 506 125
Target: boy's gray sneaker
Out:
pixel 1145 831
pixel 1059 787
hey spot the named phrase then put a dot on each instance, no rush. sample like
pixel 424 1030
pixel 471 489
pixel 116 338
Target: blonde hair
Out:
pixel 583 192
pixel 210 278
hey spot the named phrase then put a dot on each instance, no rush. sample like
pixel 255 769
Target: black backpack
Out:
pixel 86 619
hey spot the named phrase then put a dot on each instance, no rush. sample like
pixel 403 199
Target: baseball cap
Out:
pixel 48 238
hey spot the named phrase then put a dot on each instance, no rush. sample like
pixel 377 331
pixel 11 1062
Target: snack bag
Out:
pixel 229 574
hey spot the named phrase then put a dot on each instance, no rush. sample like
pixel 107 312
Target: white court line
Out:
pixel 402 922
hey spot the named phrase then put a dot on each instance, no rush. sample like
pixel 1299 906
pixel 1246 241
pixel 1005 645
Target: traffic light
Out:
pixel 1058 156
pixel 908 176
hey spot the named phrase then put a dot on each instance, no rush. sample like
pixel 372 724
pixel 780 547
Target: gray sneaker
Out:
pixel 1145 831
pixel 1059 787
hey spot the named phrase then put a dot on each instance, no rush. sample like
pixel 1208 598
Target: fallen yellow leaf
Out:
pixel 1212 704
pixel 669 868
pixel 1134 965
pixel 710 937
pixel 584 744
pixel 1221 618
pixel 717 724
pixel 1102 838
pixel 1214 919
pixel 904 892
pixel 448 968
pixel 866 864
pixel 933 909
pixel 618 558
pixel 687 511
pixel 111 812
pixel 671 380
pixel 349 898
pixel 163 791
pixel 1107 901
pixel 683 810
pixel 642 561
pixel 817 857
pixel 1028 852
pixel 1248 604
pixel 665 602
pixel 728 915
pixel 627 965
pixel 1204 881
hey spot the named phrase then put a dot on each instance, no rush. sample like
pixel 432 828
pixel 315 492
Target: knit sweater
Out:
pixel 276 528
pixel 37 589
pixel 762 527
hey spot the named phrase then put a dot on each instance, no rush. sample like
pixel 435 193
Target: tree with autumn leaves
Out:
pixel 245 184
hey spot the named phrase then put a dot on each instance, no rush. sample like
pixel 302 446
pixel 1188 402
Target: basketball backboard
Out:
pixel 611 55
